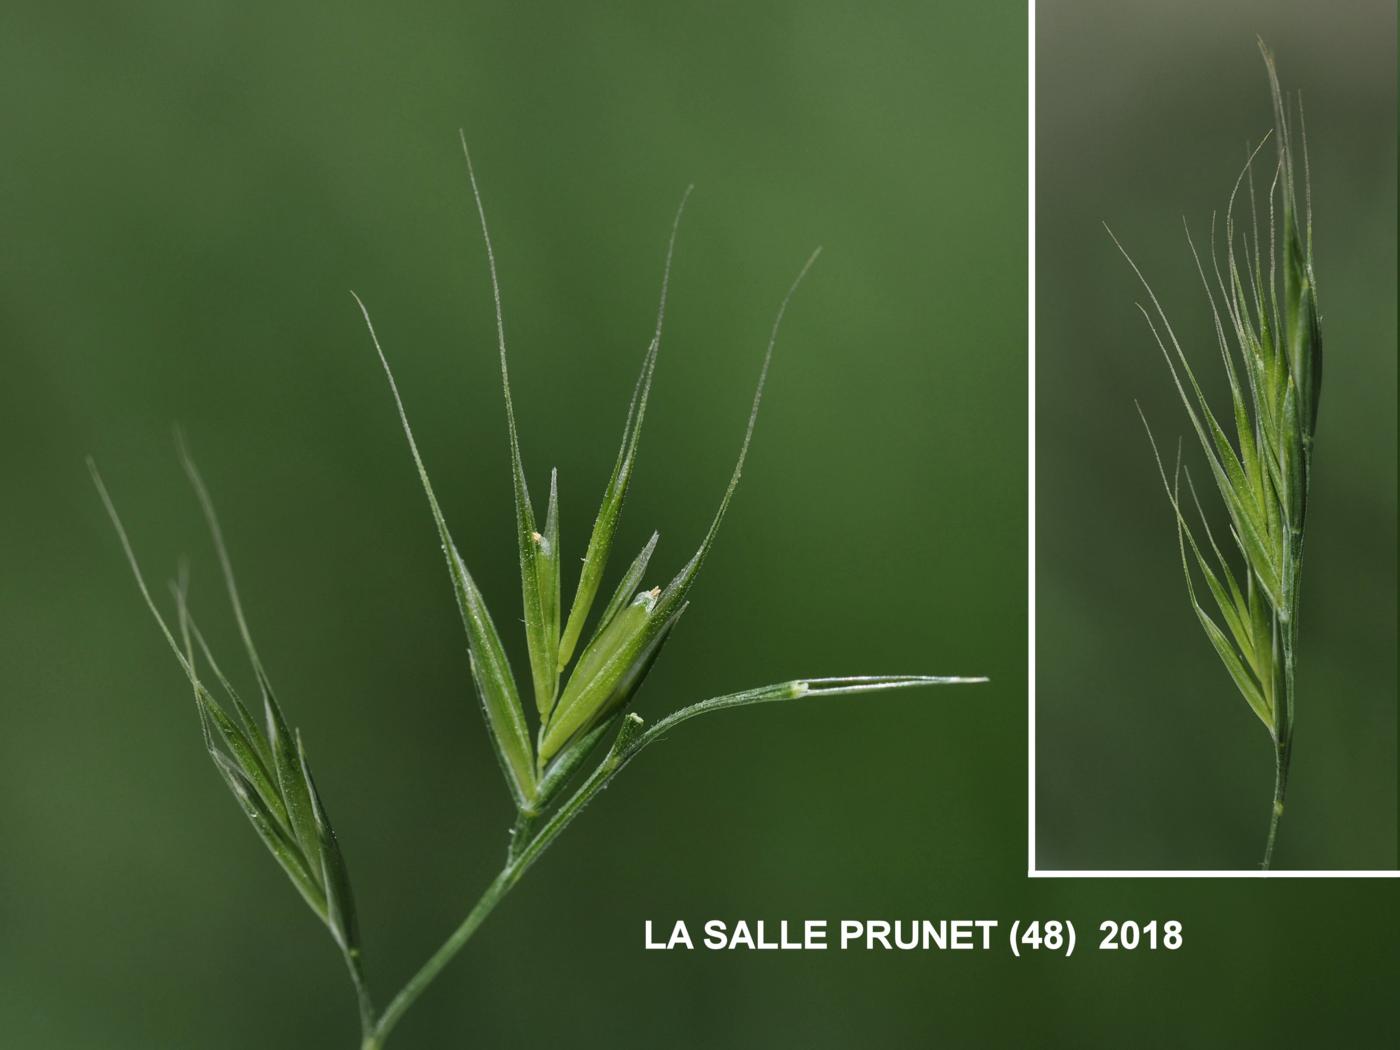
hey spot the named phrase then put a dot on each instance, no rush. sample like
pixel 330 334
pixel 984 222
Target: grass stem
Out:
pixel 417 984
pixel 525 849
pixel 1283 744
pixel 1276 809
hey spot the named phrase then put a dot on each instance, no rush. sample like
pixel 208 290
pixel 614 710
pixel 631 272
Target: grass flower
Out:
pixel 584 672
pixel 1268 331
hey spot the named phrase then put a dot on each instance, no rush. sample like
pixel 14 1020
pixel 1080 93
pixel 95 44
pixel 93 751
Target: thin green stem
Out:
pixel 1283 745
pixel 362 998
pixel 1281 755
pixel 526 848
pixel 521 856
pixel 420 981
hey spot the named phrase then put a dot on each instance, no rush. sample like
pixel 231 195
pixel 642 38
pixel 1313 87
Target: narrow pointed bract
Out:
pixel 595 560
pixel 627 587
pixel 540 637
pixel 491 674
pixel 340 899
pixel 547 560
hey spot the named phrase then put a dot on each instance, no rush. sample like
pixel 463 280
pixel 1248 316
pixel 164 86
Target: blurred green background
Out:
pixel 188 193
pixel 1148 756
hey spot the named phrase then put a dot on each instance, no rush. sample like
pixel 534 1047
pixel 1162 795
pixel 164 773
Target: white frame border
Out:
pixel 1031 870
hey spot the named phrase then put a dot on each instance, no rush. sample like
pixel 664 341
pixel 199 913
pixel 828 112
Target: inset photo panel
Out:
pixel 1214 685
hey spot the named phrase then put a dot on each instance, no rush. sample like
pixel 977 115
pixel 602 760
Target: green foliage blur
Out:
pixel 1148 756
pixel 188 193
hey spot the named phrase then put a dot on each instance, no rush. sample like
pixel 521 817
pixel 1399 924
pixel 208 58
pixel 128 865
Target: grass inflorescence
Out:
pixel 586 666
pixel 1263 300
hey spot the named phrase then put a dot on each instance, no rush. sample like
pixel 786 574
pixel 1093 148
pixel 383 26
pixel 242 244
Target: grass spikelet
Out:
pixel 1268 332
pixel 583 680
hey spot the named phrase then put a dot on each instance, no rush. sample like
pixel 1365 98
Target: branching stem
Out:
pixel 533 833
pixel 526 847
